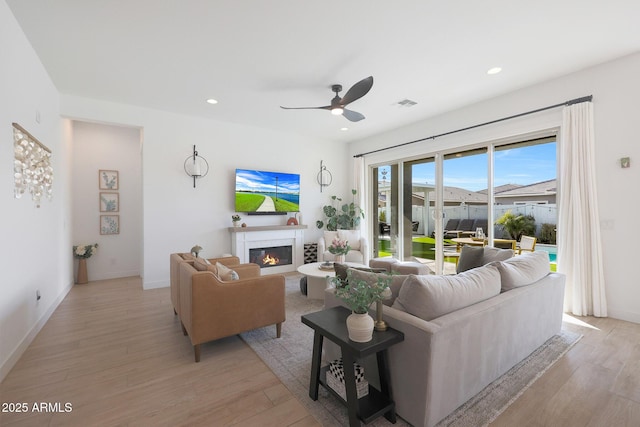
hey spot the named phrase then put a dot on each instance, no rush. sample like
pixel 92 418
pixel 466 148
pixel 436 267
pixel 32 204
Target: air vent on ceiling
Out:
pixel 405 103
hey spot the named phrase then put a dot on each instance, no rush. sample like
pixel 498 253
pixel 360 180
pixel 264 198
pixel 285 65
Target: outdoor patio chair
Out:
pixel 527 244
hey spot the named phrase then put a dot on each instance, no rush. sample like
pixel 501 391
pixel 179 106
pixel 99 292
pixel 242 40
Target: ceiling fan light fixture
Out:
pixel 337 111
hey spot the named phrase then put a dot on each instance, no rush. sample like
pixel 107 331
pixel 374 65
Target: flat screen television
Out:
pixel 261 192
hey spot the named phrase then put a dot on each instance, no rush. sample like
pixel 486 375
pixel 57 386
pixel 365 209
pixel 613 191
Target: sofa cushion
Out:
pixel 342 269
pixel 226 274
pixel 470 257
pixel 492 254
pixel 429 297
pixel 188 256
pixel 351 236
pixel 523 270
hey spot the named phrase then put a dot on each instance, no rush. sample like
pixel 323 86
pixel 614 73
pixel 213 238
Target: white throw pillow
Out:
pixel 351 236
pixel 523 269
pixel 432 296
pixel 328 237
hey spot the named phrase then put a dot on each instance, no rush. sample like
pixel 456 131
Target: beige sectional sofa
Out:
pixel 464 331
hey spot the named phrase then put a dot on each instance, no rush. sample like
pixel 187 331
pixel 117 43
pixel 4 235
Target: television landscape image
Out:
pixel 265 192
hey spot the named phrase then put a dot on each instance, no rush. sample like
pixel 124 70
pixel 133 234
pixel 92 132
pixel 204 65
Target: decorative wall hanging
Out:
pixel 108 179
pixel 32 168
pixel 109 224
pixel 109 202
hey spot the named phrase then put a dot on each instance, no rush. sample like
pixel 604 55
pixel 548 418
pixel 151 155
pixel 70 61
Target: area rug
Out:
pixel 290 359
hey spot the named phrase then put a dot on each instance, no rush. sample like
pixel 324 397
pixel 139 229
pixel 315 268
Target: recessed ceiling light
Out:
pixel 344 129
pixel 494 70
pixel 212 101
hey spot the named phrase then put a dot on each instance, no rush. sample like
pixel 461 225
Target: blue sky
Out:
pixel 265 182
pixel 524 165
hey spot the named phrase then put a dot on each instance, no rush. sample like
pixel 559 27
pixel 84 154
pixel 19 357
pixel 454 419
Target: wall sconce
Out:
pixel 196 166
pixel 324 176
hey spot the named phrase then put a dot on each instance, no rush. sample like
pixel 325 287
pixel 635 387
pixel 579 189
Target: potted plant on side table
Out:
pixel 358 295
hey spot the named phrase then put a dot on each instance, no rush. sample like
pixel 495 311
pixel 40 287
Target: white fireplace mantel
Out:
pixel 245 238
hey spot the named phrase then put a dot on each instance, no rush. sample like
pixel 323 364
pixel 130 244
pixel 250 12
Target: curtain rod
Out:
pixel 566 103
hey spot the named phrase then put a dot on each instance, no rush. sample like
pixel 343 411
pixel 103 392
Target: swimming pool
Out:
pixel 552 249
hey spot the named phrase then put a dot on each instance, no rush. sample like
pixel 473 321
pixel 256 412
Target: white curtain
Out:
pixel 359 185
pixel 579 242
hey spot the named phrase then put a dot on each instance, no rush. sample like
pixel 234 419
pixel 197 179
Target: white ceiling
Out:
pixel 255 55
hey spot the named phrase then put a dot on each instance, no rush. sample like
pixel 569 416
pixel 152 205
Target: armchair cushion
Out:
pixel 351 236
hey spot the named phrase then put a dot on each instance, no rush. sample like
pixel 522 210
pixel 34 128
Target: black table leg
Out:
pixel 314 382
pixel 350 386
pixel 385 383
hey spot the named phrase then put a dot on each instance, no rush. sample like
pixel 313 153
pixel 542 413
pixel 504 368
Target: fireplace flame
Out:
pixel 269 260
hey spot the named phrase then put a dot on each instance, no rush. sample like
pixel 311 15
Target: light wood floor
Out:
pixel 117 354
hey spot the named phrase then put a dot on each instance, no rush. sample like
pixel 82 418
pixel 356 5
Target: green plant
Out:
pixel 358 295
pixel 344 217
pixel 383 216
pixel 517 225
pixel 235 218
pixel 548 234
pixel 84 251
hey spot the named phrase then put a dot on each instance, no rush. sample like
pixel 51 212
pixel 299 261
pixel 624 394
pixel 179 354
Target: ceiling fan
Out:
pixel 356 92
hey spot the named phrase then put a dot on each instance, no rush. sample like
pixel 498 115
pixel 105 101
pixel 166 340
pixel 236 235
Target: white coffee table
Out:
pixel 318 279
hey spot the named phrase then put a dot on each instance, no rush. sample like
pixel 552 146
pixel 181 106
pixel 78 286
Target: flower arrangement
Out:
pixel 339 246
pixel 359 295
pixel 235 218
pixel 84 251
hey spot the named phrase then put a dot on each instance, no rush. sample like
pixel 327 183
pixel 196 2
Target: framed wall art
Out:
pixel 109 202
pixel 109 224
pixel 108 179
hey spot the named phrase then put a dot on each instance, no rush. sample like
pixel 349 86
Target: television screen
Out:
pixel 267 192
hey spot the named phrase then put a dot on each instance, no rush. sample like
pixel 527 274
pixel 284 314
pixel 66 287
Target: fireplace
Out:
pixel 274 256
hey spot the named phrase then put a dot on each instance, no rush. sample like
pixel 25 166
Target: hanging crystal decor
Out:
pixel 32 169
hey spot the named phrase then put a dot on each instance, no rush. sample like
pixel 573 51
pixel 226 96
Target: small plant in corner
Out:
pixel 341 217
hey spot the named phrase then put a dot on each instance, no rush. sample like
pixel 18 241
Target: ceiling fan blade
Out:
pixel 353 116
pixel 326 107
pixel 357 91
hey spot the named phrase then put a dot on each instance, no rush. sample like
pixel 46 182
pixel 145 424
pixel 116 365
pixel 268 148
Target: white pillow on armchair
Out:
pixel 359 252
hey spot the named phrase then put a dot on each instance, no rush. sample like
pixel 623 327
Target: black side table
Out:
pixel 332 324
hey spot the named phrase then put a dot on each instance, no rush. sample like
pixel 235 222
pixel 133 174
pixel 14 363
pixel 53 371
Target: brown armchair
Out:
pixel 174 273
pixel 211 309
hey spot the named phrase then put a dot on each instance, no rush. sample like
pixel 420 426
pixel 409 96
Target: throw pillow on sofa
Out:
pixel 492 254
pixel 470 257
pixel 226 274
pixel 432 296
pixel 202 264
pixel 523 269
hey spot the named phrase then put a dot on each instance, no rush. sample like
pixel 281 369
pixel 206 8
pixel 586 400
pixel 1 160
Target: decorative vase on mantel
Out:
pixel 83 277
pixel 360 327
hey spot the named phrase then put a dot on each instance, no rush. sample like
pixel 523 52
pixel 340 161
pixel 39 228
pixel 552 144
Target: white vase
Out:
pixel 340 259
pixel 236 223
pixel 360 327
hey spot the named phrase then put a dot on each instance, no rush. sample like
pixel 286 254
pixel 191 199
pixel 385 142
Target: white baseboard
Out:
pixel 28 339
pixel 155 285
pixel 628 316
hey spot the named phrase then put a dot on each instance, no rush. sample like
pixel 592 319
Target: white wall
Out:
pixel 615 96
pixel 36 249
pixel 95 147
pixel 177 216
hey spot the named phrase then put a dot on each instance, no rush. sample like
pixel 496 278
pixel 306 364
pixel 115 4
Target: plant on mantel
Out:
pixel 341 217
